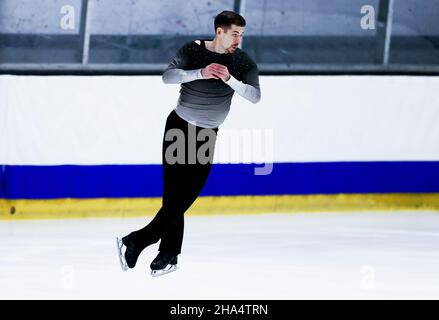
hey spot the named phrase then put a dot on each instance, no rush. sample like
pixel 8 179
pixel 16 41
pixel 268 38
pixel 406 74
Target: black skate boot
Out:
pixel 163 264
pixel 128 253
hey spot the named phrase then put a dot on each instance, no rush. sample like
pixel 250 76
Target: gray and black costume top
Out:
pixel 206 102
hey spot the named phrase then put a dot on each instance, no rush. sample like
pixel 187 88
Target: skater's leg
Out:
pixel 175 203
pixel 171 177
pixel 164 221
pixel 182 185
pixel 171 241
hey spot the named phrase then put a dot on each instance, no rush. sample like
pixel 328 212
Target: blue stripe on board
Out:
pixel 2 182
pixel 113 181
pixel 71 181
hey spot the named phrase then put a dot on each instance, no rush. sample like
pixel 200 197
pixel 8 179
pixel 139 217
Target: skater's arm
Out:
pixel 175 76
pixel 249 88
pixel 175 73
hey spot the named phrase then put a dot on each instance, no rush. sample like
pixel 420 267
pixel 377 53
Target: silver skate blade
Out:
pixel 170 268
pixel 123 263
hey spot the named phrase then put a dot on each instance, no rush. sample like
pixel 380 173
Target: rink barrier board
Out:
pixel 57 120
pixel 22 209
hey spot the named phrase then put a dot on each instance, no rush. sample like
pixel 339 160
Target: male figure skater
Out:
pixel 209 71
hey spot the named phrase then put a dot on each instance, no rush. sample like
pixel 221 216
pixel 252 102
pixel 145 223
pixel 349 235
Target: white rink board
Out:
pixel 88 120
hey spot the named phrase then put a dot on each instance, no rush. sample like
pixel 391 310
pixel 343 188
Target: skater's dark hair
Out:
pixel 226 18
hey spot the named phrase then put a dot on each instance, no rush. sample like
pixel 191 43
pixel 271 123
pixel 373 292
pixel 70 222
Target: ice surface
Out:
pixel 367 255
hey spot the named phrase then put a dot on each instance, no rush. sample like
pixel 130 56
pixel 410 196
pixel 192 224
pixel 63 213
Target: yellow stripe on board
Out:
pixel 140 207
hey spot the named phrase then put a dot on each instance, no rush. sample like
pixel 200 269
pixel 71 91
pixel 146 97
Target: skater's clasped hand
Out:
pixel 215 71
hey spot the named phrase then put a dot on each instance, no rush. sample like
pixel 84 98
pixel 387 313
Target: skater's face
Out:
pixel 231 38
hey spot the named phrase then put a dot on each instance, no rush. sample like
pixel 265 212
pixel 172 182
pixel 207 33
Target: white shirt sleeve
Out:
pixel 175 76
pixel 247 91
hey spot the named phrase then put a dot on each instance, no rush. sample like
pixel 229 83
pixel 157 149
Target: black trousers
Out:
pixel 185 171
